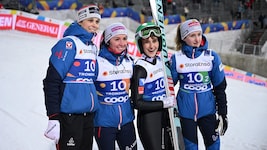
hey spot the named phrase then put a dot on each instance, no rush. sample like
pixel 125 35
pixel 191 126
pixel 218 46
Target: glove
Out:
pixel 169 102
pixel 222 124
pixel 53 130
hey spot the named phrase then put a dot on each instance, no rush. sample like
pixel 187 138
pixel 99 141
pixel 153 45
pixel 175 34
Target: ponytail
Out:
pixel 178 40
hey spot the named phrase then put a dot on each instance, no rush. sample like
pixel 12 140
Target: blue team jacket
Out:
pixel 65 97
pixel 118 112
pixel 194 105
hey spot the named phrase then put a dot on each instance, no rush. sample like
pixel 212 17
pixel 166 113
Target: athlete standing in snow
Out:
pixel 202 85
pixel 114 119
pixel 148 90
pixel 70 94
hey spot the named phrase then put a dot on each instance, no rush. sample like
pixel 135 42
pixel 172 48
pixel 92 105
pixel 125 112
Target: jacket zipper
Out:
pixel 196 106
pixel 195 95
pixel 120 113
pixel 93 102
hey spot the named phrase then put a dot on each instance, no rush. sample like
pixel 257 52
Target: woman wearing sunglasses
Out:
pixel 148 90
pixel 202 85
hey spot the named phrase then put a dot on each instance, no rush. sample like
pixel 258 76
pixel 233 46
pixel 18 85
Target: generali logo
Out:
pixel 36 26
pixel 6 21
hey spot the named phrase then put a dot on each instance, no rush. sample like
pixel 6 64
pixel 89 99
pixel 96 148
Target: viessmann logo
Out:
pixel 36 26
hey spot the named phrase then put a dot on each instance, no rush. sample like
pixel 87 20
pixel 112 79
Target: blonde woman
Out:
pixel 201 95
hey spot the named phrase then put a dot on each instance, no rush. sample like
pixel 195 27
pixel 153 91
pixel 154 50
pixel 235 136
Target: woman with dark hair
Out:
pixel 114 69
pixel 148 90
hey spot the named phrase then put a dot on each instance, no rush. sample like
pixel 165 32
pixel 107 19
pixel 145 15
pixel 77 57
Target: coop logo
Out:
pixel 160 97
pixel 198 87
pixel 120 99
pixel 84 80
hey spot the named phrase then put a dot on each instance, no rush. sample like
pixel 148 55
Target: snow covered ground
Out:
pixel 23 64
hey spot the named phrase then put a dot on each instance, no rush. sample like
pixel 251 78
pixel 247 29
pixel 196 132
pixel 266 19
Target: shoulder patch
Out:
pixel 69 44
pixel 207 52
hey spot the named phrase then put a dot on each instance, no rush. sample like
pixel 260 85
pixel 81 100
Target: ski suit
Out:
pixel 70 94
pixel 114 118
pixel 201 93
pixel 147 90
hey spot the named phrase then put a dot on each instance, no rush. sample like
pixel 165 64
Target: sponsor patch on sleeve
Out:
pixel 141 86
pixel 68 45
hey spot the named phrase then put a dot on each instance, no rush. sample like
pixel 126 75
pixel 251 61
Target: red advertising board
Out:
pixel 36 26
pixel 6 21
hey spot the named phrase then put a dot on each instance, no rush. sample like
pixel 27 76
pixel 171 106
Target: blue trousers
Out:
pixel 125 137
pixel 207 126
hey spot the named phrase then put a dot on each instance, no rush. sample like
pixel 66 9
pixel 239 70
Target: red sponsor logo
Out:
pixel 132 50
pixel 194 23
pixel 117 28
pixel 6 21
pixel 36 26
pixel 59 54
pixel 181 66
pixel 140 90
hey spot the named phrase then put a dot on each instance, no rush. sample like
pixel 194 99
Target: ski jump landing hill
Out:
pixel 46 26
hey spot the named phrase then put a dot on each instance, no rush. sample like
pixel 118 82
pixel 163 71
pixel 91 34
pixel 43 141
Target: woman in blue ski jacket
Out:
pixel 70 94
pixel 114 118
pixel 201 97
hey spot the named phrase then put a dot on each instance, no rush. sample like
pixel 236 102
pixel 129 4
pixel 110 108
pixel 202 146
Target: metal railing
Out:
pixel 224 46
pixel 251 49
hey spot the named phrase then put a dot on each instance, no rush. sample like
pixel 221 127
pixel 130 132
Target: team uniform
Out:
pixel 70 94
pixel 148 89
pixel 114 119
pixel 201 93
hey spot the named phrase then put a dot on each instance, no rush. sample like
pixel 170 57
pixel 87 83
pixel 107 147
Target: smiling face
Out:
pixel 118 43
pixel 194 39
pixel 90 24
pixel 150 46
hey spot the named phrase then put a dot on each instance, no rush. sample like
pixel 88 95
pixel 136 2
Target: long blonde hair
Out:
pixel 178 40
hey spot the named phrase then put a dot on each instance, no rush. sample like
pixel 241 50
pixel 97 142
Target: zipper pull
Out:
pixel 193 54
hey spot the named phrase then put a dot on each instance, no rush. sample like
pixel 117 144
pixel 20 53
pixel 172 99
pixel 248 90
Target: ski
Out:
pixel 176 132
